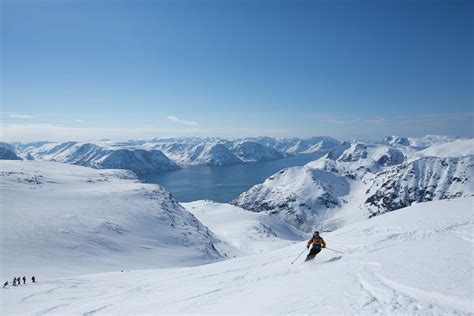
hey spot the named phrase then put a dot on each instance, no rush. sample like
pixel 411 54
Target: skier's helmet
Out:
pixel 316 233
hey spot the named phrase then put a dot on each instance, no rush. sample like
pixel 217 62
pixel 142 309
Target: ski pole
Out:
pixel 333 250
pixel 298 256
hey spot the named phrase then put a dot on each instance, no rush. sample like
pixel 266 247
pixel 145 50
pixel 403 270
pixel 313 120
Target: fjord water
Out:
pixel 221 183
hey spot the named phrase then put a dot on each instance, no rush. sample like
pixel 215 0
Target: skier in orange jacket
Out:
pixel 318 243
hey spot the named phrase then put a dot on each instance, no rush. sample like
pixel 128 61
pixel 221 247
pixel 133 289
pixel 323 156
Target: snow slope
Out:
pixel 247 232
pixel 457 148
pixel 416 261
pixel 59 219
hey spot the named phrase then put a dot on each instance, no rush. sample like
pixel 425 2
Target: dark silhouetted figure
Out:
pixel 18 280
pixel 24 280
pixel 33 279
pixel 5 284
pixel 14 281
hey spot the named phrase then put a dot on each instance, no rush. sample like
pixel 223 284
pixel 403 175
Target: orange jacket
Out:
pixel 316 239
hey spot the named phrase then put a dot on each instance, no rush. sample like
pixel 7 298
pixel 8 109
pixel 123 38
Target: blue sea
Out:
pixel 221 183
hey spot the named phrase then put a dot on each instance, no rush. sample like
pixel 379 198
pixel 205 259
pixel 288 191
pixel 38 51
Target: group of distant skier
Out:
pixel 17 281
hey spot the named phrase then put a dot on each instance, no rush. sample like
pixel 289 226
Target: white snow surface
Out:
pixel 59 219
pixel 415 261
pixel 246 232
pixel 457 148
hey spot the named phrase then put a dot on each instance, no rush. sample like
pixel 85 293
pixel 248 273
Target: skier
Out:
pixel 33 279
pixel 18 280
pixel 24 280
pixel 14 281
pixel 318 243
pixel 5 284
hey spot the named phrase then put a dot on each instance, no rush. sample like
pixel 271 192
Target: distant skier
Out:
pixel 18 280
pixel 5 284
pixel 318 243
pixel 24 280
pixel 33 279
pixel 14 281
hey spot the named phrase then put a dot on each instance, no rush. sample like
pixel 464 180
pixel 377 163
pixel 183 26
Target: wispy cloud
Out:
pixel 175 119
pixel 79 121
pixel 21 116
pixel 435 118
pixel 399 119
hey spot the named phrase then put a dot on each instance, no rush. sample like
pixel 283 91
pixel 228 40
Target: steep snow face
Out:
pixel 6 154
pixel 96 156
pixel 420 180
pixel 60 219
pixel 416 261
pixel 300 196
pixel 251 151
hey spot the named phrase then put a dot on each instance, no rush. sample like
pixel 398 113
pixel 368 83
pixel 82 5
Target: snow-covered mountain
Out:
pixel 209 151
pixel 420 180
pixel 298 145
pixel 60 219
pixel 300 196
pixel 248 151
pixel 415 261
pixel 144 155
pixel 371 179
pixel 6 154
pixel 195 151
pixel 368 156
pixel 99 156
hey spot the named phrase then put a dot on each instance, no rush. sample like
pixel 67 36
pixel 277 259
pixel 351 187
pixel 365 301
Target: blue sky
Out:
pixel 137 69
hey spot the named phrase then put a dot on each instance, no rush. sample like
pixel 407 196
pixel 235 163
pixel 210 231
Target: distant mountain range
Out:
pixel 166 154
pixel 356 180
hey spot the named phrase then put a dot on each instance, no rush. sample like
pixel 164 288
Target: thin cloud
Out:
pixel 21 116
pixel 175 119
pixel 79 121
pixel 435 118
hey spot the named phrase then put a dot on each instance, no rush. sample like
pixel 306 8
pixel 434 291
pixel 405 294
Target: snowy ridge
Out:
pixel 70 220
pixel 392 264
pixel 420 180
pixel 101 157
